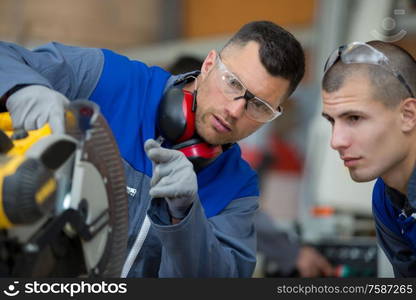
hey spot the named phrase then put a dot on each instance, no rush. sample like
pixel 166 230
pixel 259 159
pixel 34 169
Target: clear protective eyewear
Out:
pixel 362 53
pixel 256 109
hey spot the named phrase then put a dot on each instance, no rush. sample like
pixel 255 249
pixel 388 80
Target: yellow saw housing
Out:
pixel 27 185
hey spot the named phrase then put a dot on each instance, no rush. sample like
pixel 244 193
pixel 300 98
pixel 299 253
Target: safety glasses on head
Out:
pixel 362 53
pixel 255 108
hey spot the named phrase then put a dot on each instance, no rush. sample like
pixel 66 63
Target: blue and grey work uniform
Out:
pixel 217 236
pixel 395 218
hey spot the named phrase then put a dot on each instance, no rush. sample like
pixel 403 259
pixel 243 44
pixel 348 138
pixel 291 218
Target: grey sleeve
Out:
pixel 73 71
pixel 221 246
pixel 397 250
pixel 276 245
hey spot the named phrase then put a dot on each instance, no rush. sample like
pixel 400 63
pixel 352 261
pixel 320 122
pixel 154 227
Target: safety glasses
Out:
pixel 255 108
pixel 362 53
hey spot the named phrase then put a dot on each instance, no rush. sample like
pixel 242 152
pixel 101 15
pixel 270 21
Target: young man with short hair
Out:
pixel 368 93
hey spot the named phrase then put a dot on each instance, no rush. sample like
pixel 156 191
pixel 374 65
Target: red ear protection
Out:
pixel 176 120
pixel 176 123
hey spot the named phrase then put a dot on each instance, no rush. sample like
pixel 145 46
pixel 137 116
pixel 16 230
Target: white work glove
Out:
pixel 173 178
pixel 35 105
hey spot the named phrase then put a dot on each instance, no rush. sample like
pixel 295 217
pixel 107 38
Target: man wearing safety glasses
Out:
pixel 368 97
pixel 201 223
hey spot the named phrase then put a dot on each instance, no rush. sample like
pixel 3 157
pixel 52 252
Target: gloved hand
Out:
pixel 35 105
pixel 173 178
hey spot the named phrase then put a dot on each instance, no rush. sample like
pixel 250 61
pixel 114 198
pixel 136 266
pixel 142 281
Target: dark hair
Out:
pixel 185 64
pixel 280 53
pixel 386 87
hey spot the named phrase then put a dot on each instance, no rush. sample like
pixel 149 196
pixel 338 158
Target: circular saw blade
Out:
pixel 99 192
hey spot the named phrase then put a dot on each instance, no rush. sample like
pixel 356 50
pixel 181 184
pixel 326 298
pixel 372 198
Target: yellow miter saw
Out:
pixel 63 202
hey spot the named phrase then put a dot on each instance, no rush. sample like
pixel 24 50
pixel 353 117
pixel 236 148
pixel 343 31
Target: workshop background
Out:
pixel 305 187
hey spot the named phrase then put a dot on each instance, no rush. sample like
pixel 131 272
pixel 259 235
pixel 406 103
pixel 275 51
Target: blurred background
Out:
pixel 306 190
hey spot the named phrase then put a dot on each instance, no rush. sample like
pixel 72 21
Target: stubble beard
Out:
pixel 203 127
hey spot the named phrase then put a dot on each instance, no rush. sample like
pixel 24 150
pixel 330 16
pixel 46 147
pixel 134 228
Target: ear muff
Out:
pixel 199 152
pixel 176 122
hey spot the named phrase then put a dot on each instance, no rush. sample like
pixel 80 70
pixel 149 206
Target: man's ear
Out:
pixel 408 114
pixel 208 63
